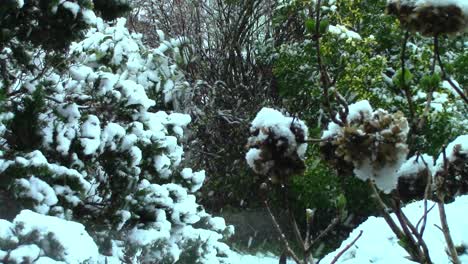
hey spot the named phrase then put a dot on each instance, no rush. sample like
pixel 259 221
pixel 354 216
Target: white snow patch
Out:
pixel 343 33
pixel 74 8
pixel 90 135
pixel 66 233
pixel 415 164
pixel 378 244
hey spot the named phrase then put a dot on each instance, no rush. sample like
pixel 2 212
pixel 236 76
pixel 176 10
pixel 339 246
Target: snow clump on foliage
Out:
pixel 35 238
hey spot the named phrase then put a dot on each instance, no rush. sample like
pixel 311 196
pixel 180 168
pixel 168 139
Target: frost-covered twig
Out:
pixel 345 111
pixel 346 248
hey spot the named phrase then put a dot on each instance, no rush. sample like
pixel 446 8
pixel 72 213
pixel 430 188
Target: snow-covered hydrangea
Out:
pixel 451 173
pixel 372 145
pixel 431 17
pixel 413 176
pixel 277 145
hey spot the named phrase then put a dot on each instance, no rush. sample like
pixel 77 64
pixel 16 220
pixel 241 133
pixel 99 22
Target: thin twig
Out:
pixel 329 228
pixel 446 231
pixel 443 215
pixel 446 77
pixel 345 111
pixel 335 259
pixel 422 217
pixel 434 58
pixel 405 87
pixel 297 233
pixel 324 77
pixel 309 221
pixel 427 192
pixel 396 230
pixel 315 140
pixel 421 242
pixel 416 252
pixel 438 227
pixel 281 234
pixel 384 209
pixel 427 107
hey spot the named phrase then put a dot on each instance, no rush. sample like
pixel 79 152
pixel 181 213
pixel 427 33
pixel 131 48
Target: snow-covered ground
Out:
pixel 378 245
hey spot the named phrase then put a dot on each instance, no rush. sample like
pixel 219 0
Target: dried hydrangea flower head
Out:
pixel 277 145
pixel 371 145
pixel 413 177
pixel 451 173
pixel 431 17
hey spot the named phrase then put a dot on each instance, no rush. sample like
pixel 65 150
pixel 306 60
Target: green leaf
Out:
pixel 341 202
pixel 324 26
pixel 425 82
pixel 2 95
pixel 398 78
pixel 310 25
pixel 403 242
pixel 429 82
pixel 435 80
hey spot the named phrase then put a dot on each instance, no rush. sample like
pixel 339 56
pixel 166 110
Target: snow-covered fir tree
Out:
pixel 89 163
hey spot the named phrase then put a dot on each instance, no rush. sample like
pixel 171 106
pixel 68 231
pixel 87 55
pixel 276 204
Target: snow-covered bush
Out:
pixel 92 145
pixel 372 144
pixel 277 145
